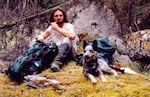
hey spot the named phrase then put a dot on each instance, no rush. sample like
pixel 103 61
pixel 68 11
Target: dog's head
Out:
pixel 89 52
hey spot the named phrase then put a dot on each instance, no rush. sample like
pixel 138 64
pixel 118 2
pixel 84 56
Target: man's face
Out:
pixel 58 17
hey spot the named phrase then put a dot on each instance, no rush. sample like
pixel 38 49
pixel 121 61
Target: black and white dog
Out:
pixel 94 66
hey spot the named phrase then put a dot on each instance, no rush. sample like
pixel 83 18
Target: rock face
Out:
pixel 94 17
pixel 139 40
pixel 90 16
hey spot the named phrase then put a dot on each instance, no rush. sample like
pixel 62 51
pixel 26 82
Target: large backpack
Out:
pixel 36 58
pixel 105 49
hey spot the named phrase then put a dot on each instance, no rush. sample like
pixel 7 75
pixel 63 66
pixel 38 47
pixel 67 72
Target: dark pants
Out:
pixel 64 55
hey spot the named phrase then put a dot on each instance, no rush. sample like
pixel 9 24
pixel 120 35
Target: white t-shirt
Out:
pixel 58 38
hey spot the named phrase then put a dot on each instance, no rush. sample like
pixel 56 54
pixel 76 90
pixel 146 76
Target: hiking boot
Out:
pixel 55 68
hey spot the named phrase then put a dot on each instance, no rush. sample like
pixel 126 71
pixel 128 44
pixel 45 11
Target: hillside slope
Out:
pixel 72 83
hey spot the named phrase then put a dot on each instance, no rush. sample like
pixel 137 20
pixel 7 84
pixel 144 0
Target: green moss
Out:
pixel 74 84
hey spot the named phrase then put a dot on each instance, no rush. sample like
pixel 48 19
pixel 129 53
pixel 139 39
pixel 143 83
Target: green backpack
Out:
pixel 37 58
pixel 105 49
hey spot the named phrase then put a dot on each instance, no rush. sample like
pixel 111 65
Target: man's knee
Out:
pixel 64 49
pixel 66 41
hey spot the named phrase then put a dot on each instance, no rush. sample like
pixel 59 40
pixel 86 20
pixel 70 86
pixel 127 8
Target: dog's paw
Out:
pixel 103 79
pixel 92 78
pixel 117 76
pixel 94 81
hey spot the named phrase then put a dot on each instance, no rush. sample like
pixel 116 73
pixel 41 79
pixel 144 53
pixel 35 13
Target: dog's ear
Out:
pixel 84 43
pixel 95 45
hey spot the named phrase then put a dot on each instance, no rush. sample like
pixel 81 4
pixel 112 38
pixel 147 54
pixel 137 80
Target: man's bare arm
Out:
pixel 43 36
pixel 70 33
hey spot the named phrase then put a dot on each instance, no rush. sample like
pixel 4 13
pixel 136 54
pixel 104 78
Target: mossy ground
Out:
pixel 74 84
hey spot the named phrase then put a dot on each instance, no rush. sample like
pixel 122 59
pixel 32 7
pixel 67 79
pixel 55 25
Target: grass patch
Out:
pixel 74 84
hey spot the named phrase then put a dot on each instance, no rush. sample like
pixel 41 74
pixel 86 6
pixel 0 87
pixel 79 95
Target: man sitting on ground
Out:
pixel 63 34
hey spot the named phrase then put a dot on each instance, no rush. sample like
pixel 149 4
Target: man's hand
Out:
pixel 54 26
pixel 39 38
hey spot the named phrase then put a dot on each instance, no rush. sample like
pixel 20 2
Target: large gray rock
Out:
pixel 94 17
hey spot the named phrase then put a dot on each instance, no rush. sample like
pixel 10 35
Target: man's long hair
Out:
pixel 51 18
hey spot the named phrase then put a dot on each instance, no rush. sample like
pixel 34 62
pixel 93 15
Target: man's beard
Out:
pixel 59 23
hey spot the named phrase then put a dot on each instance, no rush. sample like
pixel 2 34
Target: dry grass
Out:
pixel 74 84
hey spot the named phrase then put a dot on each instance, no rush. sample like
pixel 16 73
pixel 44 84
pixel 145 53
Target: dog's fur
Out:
pixel 94 66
